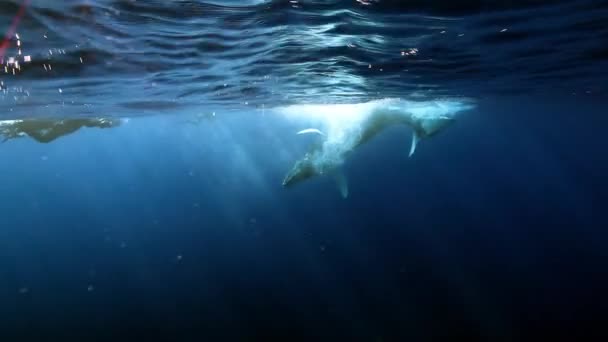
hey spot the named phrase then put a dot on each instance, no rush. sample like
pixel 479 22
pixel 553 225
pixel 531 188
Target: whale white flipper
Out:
pixel 342 183
pixel 415 139
pixel 310 130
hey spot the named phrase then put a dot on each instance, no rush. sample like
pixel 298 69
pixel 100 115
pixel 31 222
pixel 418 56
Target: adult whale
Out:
pixel 344 127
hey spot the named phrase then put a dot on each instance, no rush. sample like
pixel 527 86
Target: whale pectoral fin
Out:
pixel 342 183
pixel 415 139
pixel 311 130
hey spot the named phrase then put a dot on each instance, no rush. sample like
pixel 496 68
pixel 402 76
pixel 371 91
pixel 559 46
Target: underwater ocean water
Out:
pixel 303 170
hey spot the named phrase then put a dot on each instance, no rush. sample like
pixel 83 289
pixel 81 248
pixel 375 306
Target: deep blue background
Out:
pixel 493 230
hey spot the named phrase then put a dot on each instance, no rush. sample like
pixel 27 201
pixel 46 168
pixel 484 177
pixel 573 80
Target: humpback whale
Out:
pixel 344 127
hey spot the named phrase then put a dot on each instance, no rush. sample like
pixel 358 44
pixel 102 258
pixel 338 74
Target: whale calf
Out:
pixel 347 126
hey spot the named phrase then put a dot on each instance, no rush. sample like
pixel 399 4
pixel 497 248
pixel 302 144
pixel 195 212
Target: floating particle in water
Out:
pixel 179 257
pixel 60 91
pixel 123 244
pixel 81 60
pixel 27 58
pixel 503 30
pixel 24 290
pixel 44 158
pixel 195 205
pixel 90 288
pixel 253 220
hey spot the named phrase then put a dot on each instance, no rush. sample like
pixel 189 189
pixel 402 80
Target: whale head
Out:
pixel 302 170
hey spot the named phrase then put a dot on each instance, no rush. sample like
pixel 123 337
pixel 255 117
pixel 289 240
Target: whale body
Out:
pixel 347 126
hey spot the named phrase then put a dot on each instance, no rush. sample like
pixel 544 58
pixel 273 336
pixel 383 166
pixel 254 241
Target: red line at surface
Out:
pixel 12 29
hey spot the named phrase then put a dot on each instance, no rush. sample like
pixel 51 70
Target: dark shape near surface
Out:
pixel 47 130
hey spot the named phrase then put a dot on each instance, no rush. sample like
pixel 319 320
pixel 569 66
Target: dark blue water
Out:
pixel 166 220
